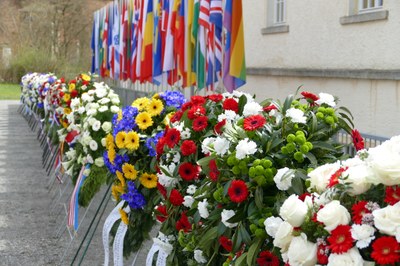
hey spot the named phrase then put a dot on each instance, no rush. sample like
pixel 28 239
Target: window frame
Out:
pixel 279 12
pixel 377 5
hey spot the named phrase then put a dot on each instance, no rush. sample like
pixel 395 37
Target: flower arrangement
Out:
pixel 350 217
pixel 131 159
pixel 227 163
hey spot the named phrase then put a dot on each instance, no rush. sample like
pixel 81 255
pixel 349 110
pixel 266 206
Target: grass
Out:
pixel 10 91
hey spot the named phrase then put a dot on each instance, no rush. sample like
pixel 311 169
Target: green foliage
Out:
pixel 10 92
pixel 92 184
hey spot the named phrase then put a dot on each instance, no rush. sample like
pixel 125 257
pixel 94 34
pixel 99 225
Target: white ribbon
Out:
pixel 118 245
pixel 161 257
pixel 108 224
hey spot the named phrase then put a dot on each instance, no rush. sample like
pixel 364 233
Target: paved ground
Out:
pixel 32 216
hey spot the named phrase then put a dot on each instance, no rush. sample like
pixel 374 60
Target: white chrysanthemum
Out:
pixel 225 216
pixel 245 147
pixel 99 162
pixel 81 110
pixel 104 101
pixel 89 159
pixel 103 142
pixel 70 154
pixel 103 108
pixel 221 145
pixel 205 145
pixel 363 234
pixel 188 201
pixel 191 189
pixel 326 98
pixel 75 103
pixel 283 178
pixel 93 145
pixel 228 115
pixel 296 115
pixel 185 134
pixel 252 108
pixel 199 257
pixel 96 125
pixel 166 180
pixel 92 112
pixel 114 109
pixel 202 207
pixel 87 98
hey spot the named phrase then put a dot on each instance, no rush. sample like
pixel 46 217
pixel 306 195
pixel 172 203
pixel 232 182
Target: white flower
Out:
pixel 104 101
pixel 326 98
pixel 99 162
pixel 357 178
pixel 75 102
pixel 319 177
pixel 91 112
pixel 70 154
pixel 387 220
pixel 85 140
pixel 294 210
pixel 106 127
pixel 188 201
pixel 103 108
pixel 96 125
pixel 363 234
pixel 115 100
pixel 283 178
pixel 302 252
pixel 103 142
pixel 332 215
pixel 84 87
pixel 86 172
pixel 114 109
pixel 205 145
pixel 272 224
pixel 229 115
pixel 225 216
pixel 81 110
pixel 165 180
pixel 100 92
pixel 93 145
pixel 351 257
pixel 221 145
pixel 202 207
pixel 185 133
pixel 252 108
pixel 198 256
pixel 191 189
pixel 88 159
pixel 86 97
pixel 296 115
pixel 283 236
pixel 245 147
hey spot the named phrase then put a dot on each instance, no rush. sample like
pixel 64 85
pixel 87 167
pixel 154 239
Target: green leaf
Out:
pixel 288 103
pixel 259 197
pixel 239 216
pixel 241 260
pixel 253 251
pixel 244 234
pixel 323 145
pixel 208 237
pixel 347 118
pixel 347 111
pixel 312 158
pixel 205 161
pixel 297 186
pixel 343 124
pixel 314 123
pixel 242 103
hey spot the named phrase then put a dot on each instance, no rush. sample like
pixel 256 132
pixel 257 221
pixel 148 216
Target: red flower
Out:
pixel 358 140
pixel 310 97
pixel 85 82
pixel 172 137
pixel 74 93
pixel 175 198
pixel 218 127
pixel 197 100
pixel 226 243
pixel 162 190
pixel 238 191
pixel 188 171
pixel 322 253
pixel 340 239
pixel 215 97
pixel 266 258
pixel 162 216
pixel 160 146
pixel 334 180
pixel 253 122
pixel 359 210
pixel 214 173
pixel 303 196
pixel 392 195
pixel 61 94
pixel 386 250
pixel 177 116
pixel 196 111
pixel 200 123
pixel 269 108
pixel 72 81
pixel 62 80
pixel 183 223
pixel 231 104
pixel 188 147
pixel 186 106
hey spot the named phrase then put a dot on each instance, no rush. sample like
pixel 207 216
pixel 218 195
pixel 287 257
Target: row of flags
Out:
pixel 195 42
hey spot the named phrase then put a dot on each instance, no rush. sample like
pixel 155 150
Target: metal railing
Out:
pixel 370 141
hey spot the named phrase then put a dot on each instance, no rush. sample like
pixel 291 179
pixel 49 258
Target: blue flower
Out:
pixel 134 198
pixel 173 98
pixel 152 142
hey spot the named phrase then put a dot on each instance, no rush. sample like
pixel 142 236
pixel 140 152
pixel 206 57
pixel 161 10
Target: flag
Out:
pixel 204 17
pixel 93 45
pixel 134 39
pixel 115 64
pixel 123 41
pixel 96 41
pixel 180 41
pixel 234 61
pixel 147 47
pixel 104 36
pixel 109 39
pixel 216 20
pixel 190 46
pixel 157 52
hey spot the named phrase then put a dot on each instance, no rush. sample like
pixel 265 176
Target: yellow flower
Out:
pixel 155 107
pixel 168 118
pixel 148 180
pixel 85 77
pixel 116 191
pixel 120 139
pixel 67 110
pixel 132 140
pixel 129 171
pixel 119 115
pixel 71 87
pixel 141 103
pixel 124 216
pixel 64 124
pixel 143 120
pixel 111 155
pixel 156 96
pixel 121 178
pixel 66 97
pixel 110 142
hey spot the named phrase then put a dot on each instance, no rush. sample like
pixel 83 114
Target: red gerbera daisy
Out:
pixel 231 104
pixel 226 243
pixel 85 82
pixel 172 137
pixel 266 258
pixel 214 173
pixel 359 210
pixel 386 250
pixel 160 146
pixel 162 190
pixel 392 195
pixel 269 108
pixel 188 147
pixel 183 223
pixel 176 198
pixel 218 127
pixel 358 140
pixel 238 191
pixel 340 239
pixel 186 106
pixel 196 111
pixel 253 122
pixel 177 116
pixel 188 171
pixel 72 81
pixel 162 213
pixel 200 123
pixel 335 176
pixel 310 97
pixel 215 97
pixel 197 100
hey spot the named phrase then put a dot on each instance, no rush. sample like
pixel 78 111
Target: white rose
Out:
pixel 245 147
pixel 221 145
pixel 283 178
pixel 387 219
pixel 188 201
pixel 252 108
pixel 272 224
pixel 106 127
pixel 363 234
pixel 326 98
pixel 351 257
pixel 357 178
pixel 202 207
pixel 319 177
pixel 283 236
pixel 225 216
pixel 96 125
pixel 91 120
pixel 85 140
pixel 93 145
pixel 302 252
pixel 198 256
pixel 114 109
pixel 103 108
pixel 205 145
pixel 92 112
pixel 296 115
pixel 294 210
pixel 103 142
pixel 332 215
pixel 104 101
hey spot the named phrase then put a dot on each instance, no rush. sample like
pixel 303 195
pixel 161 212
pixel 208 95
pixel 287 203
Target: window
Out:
pixel 369 5
pixel 279 12
pixel 276 17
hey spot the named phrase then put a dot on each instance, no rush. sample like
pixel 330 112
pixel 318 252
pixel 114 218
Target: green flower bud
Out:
pixel 259 170
pixel 253 228
pixel 266 163
pixel 300 133
pixel 284 150
pixel 300 139
pixel 304 148
pixel 231 160
pixel 261 222
pixel 242 165
pixel 260 180
pixel 260 233
pixel 319 115
pixel 256 162
pixel 236 170
pixel 322 109
pixel 290 147
pixel 290 138
pixel 329 120
pixel 252 172
pixel 330 111
pixel 268 173
pixel 310 145
pixel 307 183
pixel 298 156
